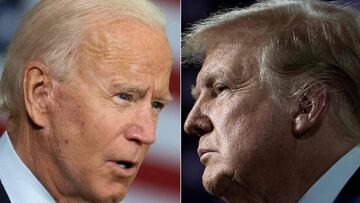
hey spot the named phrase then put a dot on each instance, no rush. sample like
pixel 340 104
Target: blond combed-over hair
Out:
pixel 303 47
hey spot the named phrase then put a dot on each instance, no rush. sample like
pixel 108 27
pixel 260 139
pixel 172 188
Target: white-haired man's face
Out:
pixel 245 136
pixel 103 121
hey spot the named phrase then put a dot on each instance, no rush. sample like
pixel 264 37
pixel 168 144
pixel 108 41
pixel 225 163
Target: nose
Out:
pixel 198 122
pixel 142 127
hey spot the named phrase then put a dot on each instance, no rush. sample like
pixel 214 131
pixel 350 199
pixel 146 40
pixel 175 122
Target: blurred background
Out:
pixel 192 11
pixel 158 180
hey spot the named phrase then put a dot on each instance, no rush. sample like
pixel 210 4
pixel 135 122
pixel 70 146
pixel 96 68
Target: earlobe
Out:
pixel 36 87
pixel 310 114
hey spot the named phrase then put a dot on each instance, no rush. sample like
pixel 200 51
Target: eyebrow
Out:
pixel 166 98
pixel 130 88
pixel 195 93
pixel 209 79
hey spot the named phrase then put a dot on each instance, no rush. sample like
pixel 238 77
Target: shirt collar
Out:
pixel 19 182
pixel 327 188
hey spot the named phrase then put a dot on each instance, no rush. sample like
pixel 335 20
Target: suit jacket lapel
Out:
pixel 351 191
pixel 3 196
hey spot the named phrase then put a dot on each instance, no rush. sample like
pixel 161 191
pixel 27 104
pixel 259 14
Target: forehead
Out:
pixel 126 53
pixel 128 43
pixel 229 59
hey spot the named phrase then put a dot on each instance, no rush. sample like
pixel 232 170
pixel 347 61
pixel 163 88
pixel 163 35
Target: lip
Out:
pixel 202 151
pixel 204 154
pixel 124 172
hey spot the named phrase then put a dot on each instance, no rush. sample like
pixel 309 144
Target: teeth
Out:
pixel 124 165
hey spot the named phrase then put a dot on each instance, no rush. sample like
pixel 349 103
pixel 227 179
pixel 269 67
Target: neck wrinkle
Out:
pixel 26 142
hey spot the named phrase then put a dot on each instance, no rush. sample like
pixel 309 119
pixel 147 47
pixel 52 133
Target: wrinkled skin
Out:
pixel 245 137
pixel 107 112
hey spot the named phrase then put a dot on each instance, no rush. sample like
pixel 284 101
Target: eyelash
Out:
pixel 125 96
pixel 157 105
pixel 219 88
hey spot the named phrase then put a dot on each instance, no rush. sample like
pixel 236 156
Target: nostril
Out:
pixel 199 131
pixel 187 127
pixel 199 127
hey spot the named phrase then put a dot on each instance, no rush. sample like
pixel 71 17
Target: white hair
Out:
pixel 303 46
pixel 52 32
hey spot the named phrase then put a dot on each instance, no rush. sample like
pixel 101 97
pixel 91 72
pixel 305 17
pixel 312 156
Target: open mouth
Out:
pixel 125 164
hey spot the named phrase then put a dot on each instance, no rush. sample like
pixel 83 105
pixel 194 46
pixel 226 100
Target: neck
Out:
pixel 314 156
pixel 319 157
pixel 33 149
pixel 310 159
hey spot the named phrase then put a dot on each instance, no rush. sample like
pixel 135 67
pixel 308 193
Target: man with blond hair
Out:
pixel 84 82
pixel 277 107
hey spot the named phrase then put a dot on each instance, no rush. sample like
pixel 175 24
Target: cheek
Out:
pixel 236 120
pixel 257 142
pixel 244 129
pixel 77 127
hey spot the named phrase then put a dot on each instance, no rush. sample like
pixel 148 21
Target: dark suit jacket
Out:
pixel 3 196
pixel 351 191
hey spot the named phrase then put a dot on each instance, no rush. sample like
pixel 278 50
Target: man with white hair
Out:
pixel 84 82
pixel 277 106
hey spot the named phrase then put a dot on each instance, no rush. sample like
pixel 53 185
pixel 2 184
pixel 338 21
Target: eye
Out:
pixel 157 105
pixel 219 88
pixel 125 96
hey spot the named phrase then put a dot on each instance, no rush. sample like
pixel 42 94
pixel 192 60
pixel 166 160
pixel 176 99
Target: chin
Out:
pixel 111 194
pixel 117 198
pixel 119 194
pixel 216 181
pixel 111 198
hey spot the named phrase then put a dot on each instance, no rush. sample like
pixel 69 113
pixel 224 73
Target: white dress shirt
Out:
pixel 329 185
pixel 19 183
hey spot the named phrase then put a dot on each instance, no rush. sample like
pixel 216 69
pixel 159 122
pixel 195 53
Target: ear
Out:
pixel 37 87
pixel 311 112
